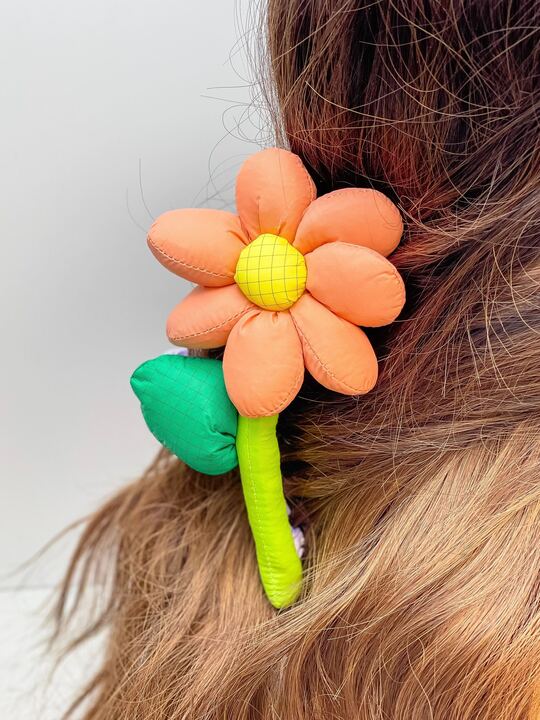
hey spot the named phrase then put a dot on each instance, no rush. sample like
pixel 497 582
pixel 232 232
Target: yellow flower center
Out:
pixel 271 272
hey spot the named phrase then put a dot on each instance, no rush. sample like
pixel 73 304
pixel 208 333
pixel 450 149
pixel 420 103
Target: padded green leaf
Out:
pixel 185 404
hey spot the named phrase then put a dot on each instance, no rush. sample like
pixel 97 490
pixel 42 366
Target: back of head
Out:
pixel 421 500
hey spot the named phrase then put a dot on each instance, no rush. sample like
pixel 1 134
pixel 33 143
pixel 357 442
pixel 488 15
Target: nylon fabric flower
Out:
pixel 285 283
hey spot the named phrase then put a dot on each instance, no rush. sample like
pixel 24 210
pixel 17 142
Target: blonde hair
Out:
pixel 422 499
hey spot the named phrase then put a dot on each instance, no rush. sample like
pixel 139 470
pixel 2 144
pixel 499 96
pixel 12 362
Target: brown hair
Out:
pixel 422 499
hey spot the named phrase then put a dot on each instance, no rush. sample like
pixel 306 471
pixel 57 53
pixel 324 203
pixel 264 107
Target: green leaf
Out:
pixel 185 404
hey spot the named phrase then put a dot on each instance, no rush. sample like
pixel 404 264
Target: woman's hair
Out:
pixel 421 500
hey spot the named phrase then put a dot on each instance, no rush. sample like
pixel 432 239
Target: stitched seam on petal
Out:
pixel 398 281
pixel 291 392
pixel 187 265
pixel 214 327
pixel 349 191
pixel 353 191
pixel 392 272
pixel 312 190
pixel 311 195
pixel 325 367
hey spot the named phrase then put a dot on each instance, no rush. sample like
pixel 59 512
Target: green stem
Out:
pixel 260 470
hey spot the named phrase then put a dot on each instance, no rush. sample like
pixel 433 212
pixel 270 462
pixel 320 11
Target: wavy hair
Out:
pixel 421 500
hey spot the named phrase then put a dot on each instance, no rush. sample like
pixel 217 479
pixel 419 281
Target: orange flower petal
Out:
pixel 356 283
pixel 273 189
pixel 201 245
pixel 337 353
pixel 353 215
pixel 206 316
pixel 263 364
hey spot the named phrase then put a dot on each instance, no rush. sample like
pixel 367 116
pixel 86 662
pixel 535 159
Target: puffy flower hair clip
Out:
pixel 284 286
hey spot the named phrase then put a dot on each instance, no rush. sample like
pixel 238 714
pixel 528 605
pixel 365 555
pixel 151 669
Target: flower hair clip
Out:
pixel 283 286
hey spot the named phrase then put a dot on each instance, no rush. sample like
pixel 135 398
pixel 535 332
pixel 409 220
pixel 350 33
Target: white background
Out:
pixel 111 112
